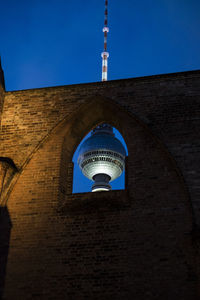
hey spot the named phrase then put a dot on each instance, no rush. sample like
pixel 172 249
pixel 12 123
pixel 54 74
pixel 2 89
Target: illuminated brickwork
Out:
pixel 139 243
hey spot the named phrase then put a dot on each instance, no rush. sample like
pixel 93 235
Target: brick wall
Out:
pixel 127 244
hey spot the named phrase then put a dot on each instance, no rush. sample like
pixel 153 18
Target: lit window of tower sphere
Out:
pixel 101 157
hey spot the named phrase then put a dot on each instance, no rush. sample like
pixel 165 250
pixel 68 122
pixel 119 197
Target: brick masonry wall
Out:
pixel 123 244
pixel 168 104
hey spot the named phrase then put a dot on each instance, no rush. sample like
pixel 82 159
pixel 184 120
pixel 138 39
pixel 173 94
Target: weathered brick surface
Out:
pixel 132 244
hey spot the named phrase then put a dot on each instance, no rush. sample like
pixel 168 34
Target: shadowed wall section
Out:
pixel 5 228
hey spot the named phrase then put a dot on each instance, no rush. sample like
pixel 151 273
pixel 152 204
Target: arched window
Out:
pixel 98 155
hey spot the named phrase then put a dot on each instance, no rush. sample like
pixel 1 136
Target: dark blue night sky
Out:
pixel 59 42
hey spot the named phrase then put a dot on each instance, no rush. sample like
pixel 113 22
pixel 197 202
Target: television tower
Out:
pixel 101 157
pixel 105 54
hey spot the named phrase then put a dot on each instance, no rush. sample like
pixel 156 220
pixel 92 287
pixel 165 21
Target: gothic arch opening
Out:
pixel 147 155
pixel 81 183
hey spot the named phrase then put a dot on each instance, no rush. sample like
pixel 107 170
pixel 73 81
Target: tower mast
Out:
pixel 105 54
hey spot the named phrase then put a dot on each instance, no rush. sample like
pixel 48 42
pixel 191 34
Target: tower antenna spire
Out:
pixel 105 54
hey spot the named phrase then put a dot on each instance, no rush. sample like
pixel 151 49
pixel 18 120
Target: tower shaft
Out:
pixel 105 54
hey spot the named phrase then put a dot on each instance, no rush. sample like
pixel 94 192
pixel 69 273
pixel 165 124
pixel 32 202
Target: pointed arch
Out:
pixel 145 150
pixel 97 110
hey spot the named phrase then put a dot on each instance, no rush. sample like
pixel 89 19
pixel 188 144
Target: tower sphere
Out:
pixel 102 157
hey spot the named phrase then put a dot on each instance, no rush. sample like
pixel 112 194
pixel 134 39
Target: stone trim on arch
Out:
pixel 8 171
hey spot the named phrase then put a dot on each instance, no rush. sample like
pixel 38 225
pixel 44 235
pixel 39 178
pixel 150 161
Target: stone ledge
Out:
pixel 87 203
